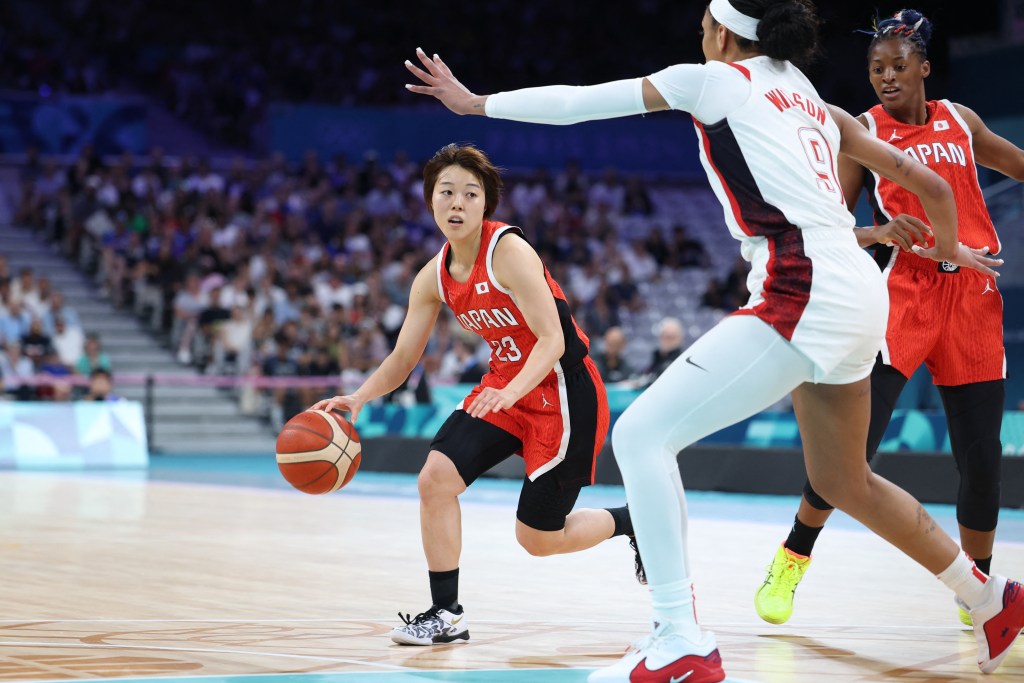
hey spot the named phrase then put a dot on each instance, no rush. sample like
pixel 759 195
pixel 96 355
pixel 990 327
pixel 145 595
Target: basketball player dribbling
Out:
pixel 541 397
pixel 813 325
pixel 949 318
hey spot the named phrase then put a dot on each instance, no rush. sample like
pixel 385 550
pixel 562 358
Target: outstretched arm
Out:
pixel 934 192
pixel 553 104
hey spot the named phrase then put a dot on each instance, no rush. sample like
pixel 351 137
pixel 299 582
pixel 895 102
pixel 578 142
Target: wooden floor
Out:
pixel 136 579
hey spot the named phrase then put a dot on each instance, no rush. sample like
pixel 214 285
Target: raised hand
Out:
pixel 440 83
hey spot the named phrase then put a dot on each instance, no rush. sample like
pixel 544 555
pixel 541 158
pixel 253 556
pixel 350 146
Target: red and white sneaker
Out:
pixel 998 622
pixel 665 657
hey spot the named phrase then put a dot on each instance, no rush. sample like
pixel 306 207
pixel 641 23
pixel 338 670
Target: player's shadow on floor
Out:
pixel 883 670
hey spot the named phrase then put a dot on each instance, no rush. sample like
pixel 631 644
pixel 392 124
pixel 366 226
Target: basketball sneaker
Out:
pixel 998 621
pixel 638 562
pixel 664 656
pixel 433 627
pixel 774 599
pixel 963 611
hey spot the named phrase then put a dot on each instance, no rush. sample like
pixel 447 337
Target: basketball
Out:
pixel 318 451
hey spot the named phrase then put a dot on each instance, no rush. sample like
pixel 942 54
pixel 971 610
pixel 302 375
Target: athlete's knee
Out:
pixel 636 436
pixel 980 476
pixel 539 543
pixel 439 477
pixel 840 489
pixel 814 499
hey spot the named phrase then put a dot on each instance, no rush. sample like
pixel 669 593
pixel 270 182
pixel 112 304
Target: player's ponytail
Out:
pixel 786 29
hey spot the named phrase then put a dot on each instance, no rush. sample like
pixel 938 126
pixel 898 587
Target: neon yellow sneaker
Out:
pixel 964 611
pixel 774 599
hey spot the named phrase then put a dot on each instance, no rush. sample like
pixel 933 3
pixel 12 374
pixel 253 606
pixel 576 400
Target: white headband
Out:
pixel 731 18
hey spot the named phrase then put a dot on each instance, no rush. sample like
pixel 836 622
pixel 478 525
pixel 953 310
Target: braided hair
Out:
pixel 908 24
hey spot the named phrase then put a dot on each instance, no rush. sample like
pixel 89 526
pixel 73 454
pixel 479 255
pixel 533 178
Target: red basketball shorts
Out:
pixel 950 319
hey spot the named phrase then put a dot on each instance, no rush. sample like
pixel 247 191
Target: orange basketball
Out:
pixel 318 451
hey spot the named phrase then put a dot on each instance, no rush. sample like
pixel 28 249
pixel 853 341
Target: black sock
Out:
pixel 984 565
pixel 623 522
pixel 802 537
pixel 444 589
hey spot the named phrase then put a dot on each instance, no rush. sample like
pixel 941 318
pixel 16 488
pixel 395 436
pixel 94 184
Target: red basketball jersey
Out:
pixel 944 145
pixel 481 305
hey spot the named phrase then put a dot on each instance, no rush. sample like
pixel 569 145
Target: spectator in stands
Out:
pixel 637 200
pixel 529 193
pixel 24 289
pixel 685 251
pixel 403 170
pixel 15 323
pixel 39 304
pixel 101 386
pixel 289 307
pixel 384 199
pixel 317 362
pixel 608 191
pixel 670 345
pixel 611 362
pixel 641 265
pixel 35 343
pixel 68 341
pixel 93 357
pixel 16 373
pixel 188 304
pixel 461 364
pixel 657 247
pixel 601 314
pixel 53 369
pixel 233 345
pixel 284 363
pixel 369 347
pixel 713 296
pixel 208 323
pixel 59 309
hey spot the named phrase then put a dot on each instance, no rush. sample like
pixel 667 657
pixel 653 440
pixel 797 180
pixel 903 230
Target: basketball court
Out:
pixel 213 569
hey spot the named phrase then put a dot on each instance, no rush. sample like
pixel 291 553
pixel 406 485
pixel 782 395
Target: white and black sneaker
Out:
pixel 433 627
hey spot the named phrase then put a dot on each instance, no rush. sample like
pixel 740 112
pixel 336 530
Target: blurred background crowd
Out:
pixel 245 262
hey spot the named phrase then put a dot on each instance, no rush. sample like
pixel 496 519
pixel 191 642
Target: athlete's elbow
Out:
pixel 558 346
pixel 937 189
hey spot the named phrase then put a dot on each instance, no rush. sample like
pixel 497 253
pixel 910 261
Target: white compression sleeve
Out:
pixel 565 104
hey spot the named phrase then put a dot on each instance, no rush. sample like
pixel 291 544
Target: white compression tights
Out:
pixel 739 368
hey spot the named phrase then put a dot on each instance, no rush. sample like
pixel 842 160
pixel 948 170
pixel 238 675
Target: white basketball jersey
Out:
pixel 772 159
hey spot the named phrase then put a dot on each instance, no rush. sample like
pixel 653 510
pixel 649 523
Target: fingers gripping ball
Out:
pixel 318 451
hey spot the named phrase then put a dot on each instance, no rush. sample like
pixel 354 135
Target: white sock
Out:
pixel 966 580
pixel 673 604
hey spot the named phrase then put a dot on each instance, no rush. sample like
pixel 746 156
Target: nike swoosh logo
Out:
pixel 690 361
pixel 457 619
pixel 679 679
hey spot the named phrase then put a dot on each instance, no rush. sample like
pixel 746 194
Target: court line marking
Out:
pixel 284 655
pixel 747 626
pixel 157 679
